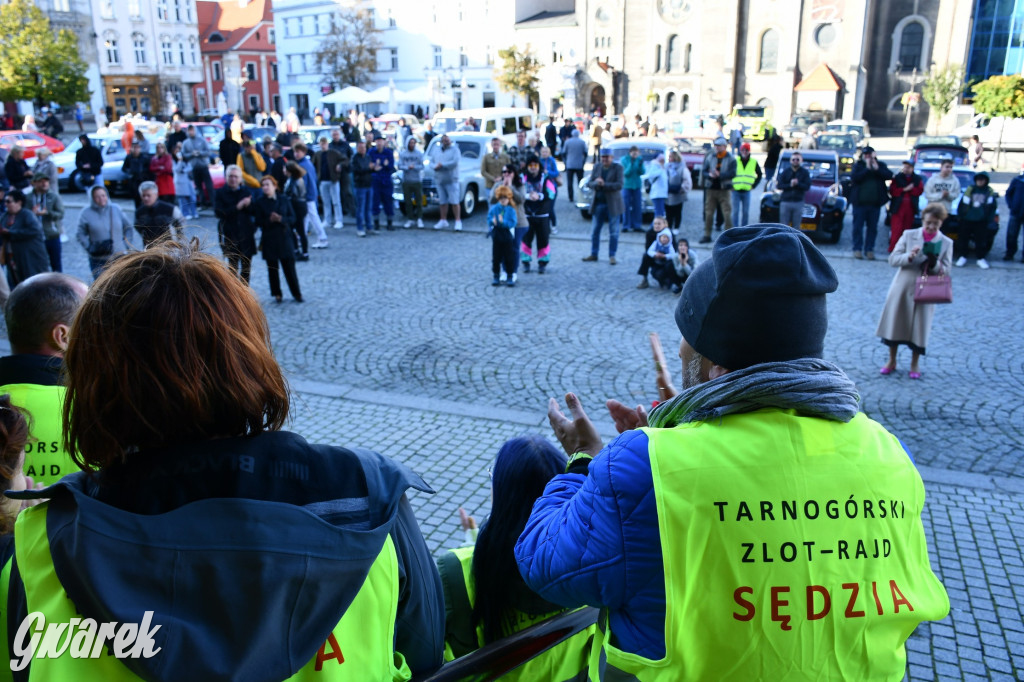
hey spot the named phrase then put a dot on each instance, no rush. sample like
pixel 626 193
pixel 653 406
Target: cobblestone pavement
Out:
pixel 404 347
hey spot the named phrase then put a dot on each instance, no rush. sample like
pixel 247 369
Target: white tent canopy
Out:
pixel 423 94
pixel 347 95
pixel 381 94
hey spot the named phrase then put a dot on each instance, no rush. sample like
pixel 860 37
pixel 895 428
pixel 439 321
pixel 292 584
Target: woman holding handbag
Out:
pixel 906 319
pixel 103 230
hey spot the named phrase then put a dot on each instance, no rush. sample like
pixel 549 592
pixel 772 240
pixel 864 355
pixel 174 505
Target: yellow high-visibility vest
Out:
pixel 46 461
pixel 793 550
pixel 564 662
pixel 361 646
pixel 745 175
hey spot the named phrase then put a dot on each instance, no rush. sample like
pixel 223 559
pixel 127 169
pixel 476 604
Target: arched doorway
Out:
pixel 597 100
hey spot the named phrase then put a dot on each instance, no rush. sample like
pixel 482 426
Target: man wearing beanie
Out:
pixel 754 526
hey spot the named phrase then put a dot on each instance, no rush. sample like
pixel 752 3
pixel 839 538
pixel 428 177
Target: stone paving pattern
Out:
pixel 404 347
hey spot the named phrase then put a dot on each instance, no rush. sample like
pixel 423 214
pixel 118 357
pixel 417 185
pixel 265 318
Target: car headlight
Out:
pixel 846 159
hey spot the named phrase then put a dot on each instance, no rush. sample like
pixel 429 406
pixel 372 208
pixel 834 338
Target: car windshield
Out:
pixel 819 169
pixel 77 144
pixel 964 177
pixel 959 157
pixel 846 128
pixel 690 146
pixel 951 140
pixel 311 135
pixel 836 142
pixel 648 154
pixel 448 124
pixel 467 148
pixel 803 121
pixel 755 112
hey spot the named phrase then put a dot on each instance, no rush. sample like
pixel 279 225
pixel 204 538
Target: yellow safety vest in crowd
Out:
pixel 361 646
pixel 45 458
pixel 793 550
pixel 564 662
pixel 745 175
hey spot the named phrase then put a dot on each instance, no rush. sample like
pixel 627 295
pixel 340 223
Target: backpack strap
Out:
pixel 460 634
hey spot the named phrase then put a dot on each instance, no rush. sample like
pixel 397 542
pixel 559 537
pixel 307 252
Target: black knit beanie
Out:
pixel 759 298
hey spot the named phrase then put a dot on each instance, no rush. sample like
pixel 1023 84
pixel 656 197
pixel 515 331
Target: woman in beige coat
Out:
pixel 903 320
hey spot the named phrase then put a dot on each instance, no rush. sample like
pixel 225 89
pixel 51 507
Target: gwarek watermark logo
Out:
pixel 82 638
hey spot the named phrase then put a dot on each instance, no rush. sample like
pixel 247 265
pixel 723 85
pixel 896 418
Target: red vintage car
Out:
pixel 28 141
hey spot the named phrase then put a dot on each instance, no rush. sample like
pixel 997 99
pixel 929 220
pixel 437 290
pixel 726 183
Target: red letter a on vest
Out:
pixel 322 656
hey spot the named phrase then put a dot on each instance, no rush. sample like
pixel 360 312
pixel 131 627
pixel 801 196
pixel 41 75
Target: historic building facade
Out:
pixel 76 16
pixel 239 59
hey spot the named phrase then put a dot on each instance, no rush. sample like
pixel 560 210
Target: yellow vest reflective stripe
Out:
pixel 564 662
pixel 745 175
pixel 45 459
pixel 360 646
pixel 808 562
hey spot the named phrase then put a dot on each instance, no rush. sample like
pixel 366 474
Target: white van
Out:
pixel 988 130
pixel 500 121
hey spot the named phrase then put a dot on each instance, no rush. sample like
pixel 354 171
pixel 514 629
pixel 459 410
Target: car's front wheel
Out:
pixel 469 201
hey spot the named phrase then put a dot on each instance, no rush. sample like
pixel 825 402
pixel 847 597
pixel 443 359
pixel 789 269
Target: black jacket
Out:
pixel 789 192
pixel 228 151
pixel 88 159
pixel 237 234
pixel 153 222
pixel 137 167
pixel 15 171
pixel 862 176
pixel 30 368
pixel 362 176
pixel 276 238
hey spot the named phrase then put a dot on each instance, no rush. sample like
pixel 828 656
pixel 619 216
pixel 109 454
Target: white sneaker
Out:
pixel 361 233
pixel 419 223
pixel 503 277
pixel 338 225
pixel 961 261
pixel 458 226
pixel 408 224
pixel 440 223
pixel 983 264
pixel 322 244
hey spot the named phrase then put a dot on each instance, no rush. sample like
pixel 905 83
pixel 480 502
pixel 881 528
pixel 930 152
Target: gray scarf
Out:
pixel 812 387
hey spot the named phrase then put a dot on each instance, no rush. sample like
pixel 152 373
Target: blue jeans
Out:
pixel 362 208
pixel 633 206
pixel 659 206
pixel 600 218
pixel 865 217
pixel 1012 231
pixel 53 251
pixel 740 207
pixel 382 197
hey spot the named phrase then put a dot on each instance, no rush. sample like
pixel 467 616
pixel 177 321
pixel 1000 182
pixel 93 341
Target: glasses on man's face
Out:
pixel 8 200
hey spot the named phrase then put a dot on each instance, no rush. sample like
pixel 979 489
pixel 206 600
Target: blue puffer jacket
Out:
pixel 594 540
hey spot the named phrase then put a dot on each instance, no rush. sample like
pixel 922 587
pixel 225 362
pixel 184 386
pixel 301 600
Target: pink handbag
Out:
pixel 933 289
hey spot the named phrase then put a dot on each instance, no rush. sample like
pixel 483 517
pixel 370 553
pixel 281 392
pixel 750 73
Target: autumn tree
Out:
pixel 1003 97
pixel 941 89
pixel 35 63
pixel 518 73
pixel 349 52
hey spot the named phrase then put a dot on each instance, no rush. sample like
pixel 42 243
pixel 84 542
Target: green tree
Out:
pixel 1000 96
pixel 941 89
pixel 35 64
pixel 349 52
pixel 518 73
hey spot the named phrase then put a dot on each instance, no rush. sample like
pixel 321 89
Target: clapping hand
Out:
pixel 577 434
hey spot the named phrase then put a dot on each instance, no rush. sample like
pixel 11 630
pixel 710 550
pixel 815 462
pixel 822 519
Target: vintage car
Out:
pixel 649 150
pixel 793 132
pixel 845 145
pixel 824 203
pixel 110 149
pixel 936 152
pixel 472 188
pixel 858 127
pixel 29 142
pixel 113 160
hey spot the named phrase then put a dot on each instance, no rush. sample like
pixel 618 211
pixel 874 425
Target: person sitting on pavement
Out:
pixel 244 551
pixel 484 594
pixel 716 530
pixel 658 226
pixel 156 219
pixel 660 251
pixel 39 315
